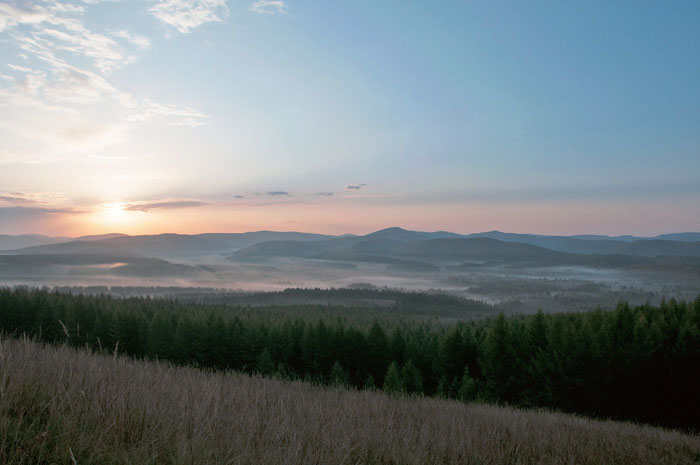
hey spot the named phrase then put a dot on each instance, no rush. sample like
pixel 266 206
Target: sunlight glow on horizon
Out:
pixel 575 218
pixel 112 214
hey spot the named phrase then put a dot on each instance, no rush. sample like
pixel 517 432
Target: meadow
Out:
pixel 61 405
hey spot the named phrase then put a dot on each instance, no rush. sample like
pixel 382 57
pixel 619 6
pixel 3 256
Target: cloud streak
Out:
pixel 16 199
pixel 11 15
pixel 169 205
pixel 354 187
pixel 185 15
pixel 22 212
pixel 274 193
pixel 269 7
pixel 136 39
pixel 45 198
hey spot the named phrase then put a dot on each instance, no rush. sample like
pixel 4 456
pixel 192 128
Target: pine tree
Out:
pixel 265 364
pixel 537 334
pixel 281 372
pixel 467 387
pixel 339 377
pixel 392 380
pixel 377 352
pixel 499 361
pixel 397 346
pixel 451 353
pixel 411 379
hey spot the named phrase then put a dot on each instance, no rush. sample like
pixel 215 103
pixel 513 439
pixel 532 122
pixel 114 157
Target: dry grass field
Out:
pixel 60 406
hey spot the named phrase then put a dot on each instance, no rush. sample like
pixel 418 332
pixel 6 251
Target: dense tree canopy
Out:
pixel 635 363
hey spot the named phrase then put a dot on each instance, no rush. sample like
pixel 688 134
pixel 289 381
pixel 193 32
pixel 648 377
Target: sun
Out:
pixel 113 213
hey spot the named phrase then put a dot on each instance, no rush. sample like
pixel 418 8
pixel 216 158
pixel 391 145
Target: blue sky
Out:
pixel 214 115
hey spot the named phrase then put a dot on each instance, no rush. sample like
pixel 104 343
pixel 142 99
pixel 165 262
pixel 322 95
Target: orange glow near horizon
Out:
pixel 341 218
pixel 109 217
pixel 112 213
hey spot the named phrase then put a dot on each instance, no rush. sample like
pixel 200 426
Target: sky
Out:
pixel 193 116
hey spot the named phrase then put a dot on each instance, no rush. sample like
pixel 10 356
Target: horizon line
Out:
pixel 493 231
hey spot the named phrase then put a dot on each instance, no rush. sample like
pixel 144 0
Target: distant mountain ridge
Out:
pixel 165 246
pixel 394 245
pixel 601 245
pixel 9 242
pixel 686 237
pixel 419 250
pixel 400 234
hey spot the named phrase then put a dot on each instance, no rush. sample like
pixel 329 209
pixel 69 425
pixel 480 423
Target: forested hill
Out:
pixel 395 242
pixel 635 363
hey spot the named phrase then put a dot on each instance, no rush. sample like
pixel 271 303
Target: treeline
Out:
pixel 631 363
pixel 428 304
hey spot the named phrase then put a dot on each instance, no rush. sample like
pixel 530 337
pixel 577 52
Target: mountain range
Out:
pixel 395 246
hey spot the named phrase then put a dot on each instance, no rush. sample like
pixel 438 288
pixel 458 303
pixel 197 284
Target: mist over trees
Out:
pixel 634 363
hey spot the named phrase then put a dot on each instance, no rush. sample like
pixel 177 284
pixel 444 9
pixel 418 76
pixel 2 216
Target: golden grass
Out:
pixel 58 405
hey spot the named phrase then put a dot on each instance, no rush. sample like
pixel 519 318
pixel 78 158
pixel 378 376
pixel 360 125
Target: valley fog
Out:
pixel 510 289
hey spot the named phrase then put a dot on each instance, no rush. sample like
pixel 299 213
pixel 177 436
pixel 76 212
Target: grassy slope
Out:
pixel 55 402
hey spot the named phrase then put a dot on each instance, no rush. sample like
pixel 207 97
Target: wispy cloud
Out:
pixel 16 199
pixel 18 68
pixel 58 26
pixel 185 15
pixel 52 34
pixel 136 39
pixel 21 198
pixel 11 15
pixel 268 7
pixel 355 187
pixel 172 204
pixel 28 213
pixel 147 110
pixel 325 194
pixel 274 193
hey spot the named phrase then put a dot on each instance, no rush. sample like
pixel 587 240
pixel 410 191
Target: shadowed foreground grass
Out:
pixel 62 406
